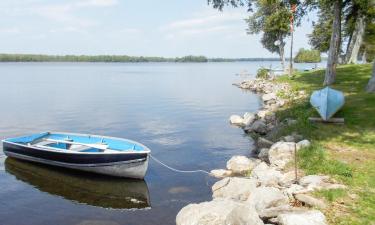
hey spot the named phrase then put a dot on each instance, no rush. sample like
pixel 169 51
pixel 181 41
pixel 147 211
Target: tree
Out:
pixel 272 19
pixel 334 44
pixel 371 84
pixel 307 56
pixel 320 37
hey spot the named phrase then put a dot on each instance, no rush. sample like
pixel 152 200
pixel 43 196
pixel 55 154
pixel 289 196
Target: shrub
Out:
pixel 307 56
pixel 263 73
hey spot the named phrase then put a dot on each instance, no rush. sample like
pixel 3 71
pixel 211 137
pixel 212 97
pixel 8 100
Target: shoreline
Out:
pixel 263 189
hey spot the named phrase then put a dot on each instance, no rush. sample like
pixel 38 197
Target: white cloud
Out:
pixel 206 23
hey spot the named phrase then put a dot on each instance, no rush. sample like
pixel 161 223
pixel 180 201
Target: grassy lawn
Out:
pixel 345 152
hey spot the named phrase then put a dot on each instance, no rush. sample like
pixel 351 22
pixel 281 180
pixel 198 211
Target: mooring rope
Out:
pixel 177 170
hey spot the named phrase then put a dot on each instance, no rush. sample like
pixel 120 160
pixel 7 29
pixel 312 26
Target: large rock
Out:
pixel 236 119
pixel 263 154
pixel 266 175
pixel 277 210
pixel 281 153
pixel 268 97
pixel 218 212
pixel 313 217
pixel 266 197
pixel 317 182
pixel 241 164
pixel 258 127
pixel 248 119
pixel 303 144
pixel 311 201
pixel 233 188
pixel 264 143
pixel 220 173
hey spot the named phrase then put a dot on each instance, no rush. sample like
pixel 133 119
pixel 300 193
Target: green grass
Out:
pixel 345 152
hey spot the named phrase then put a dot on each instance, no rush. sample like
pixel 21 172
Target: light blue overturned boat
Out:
pixel 327 102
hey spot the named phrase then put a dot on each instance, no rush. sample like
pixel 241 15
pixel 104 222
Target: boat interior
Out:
pixel 77 142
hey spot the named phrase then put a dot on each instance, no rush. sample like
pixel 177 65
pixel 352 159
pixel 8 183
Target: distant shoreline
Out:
pixel 120 58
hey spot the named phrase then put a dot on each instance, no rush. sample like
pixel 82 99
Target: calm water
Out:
pixel 180 111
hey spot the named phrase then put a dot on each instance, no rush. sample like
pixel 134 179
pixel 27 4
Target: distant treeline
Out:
pixel 117 58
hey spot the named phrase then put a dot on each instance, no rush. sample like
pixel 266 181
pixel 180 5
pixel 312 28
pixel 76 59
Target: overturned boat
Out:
pixel 92 153
pixel 327 102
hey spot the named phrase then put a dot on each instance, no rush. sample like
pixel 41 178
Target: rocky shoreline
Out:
pixel 263 189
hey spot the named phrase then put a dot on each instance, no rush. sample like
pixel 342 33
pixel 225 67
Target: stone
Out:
pixel 311 201
pixel 294 189
pixel 281 153
pixel 241 164
pixel 288 138
pixel 248 119
pixel 268 97
pixel 218 212
pixel 263 154
pixel 314 181
pixel 270 117
pixel 262 113
pixel 303 144
pixel 290 121
pixel 312 217
pixel 266 175
pixel 275 211
pixel 288 179
pixel 264 143
pixel 234 188
pixel 259 127
pixel 220 173
pixel 266 197
pixel 236 119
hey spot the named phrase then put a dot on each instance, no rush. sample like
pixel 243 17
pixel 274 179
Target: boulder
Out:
pixel 317 182
pixel 268 97
pixel 281 153
pixel 303 144
pixel 288 179
pixel 266 175
pixel 262 113
pixel 220 173
pixel 236 119
pixel 289 138
pixel 266 197
pixel 234 188
pixel 264 143
pixel 275 211
pixel 218 212
pixel 258 127
pixel 263 154
pixel 294 189
pixel 313 217
pixel 311 201
pixel 248 119
pixel 241 164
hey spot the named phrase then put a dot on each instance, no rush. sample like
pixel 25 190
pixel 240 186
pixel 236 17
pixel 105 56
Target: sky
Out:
pixel 168 28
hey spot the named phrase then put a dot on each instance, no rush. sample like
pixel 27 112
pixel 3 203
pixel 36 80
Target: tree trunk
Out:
pixel 281 53
pixel 371 83
pixel 334 45
pixel 356 40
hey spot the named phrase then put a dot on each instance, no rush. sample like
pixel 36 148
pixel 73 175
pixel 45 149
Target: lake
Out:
pixel 179 110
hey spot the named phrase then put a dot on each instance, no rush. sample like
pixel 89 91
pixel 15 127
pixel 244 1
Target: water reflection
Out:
pixel 83 188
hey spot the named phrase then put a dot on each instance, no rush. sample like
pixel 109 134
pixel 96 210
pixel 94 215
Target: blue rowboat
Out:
pixel 93 153
pixel 327 102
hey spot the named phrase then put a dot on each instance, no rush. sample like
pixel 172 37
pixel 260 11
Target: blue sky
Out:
pixel 166 28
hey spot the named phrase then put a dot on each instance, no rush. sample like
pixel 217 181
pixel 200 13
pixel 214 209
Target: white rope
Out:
pixel 176 170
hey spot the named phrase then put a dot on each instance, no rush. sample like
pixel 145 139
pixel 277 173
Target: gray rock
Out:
pixel 294 189
pixel 264 143
pixel 220 173
pixel 268 97
pixel 313 217
pixel 289 138
pixel 236 119
pixel 241 164
pixel 233 188
pixel 288 179
pixel 248 119
pixel 303 144
pixel 281 153
pixel 267 197
pixel 311 201
pixel 275 211
pixel 218 212
pixel 317 182
pixel 258 127
pixel 266 175
pixel 263 154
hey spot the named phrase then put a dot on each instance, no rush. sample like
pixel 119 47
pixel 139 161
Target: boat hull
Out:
pixel 327 102
pixel 130 165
